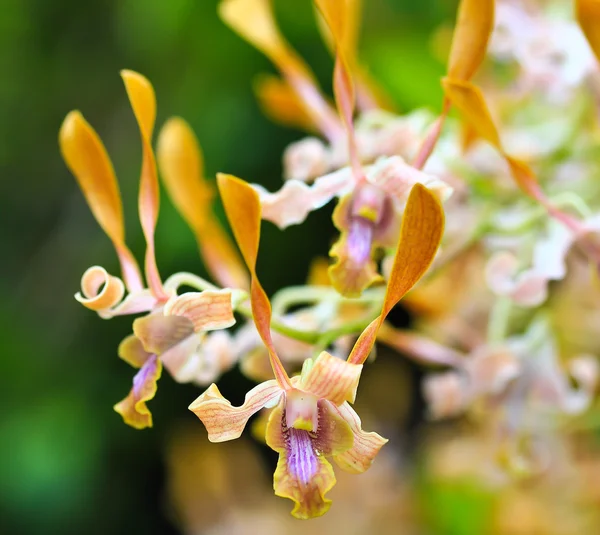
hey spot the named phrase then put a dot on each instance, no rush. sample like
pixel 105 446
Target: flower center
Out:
pixel 302 458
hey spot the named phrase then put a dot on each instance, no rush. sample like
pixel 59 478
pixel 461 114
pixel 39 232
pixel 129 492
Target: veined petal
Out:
pixel 133 408
pixel 366 446
pixel 181 166
pixel 243 210
pixel 143 102
pixel 208 310
pixel 99 290
pixel 222 420
pixel 331 378
pixel 301 475
pixel 295 200
pixel 132 351
pixel 86 157
pixel 588 16
pixel 420 236
pixel 475 22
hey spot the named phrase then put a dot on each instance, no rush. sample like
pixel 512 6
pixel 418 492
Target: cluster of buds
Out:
pixel 481 301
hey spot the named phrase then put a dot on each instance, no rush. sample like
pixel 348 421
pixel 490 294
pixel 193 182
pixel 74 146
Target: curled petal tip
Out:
pixel 99 290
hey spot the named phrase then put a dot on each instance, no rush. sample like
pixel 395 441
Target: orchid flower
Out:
pixel 312 418
pixel 172 332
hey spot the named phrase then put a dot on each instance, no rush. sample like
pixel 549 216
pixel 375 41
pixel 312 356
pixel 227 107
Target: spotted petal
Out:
pixel 366 446
pixel 133 408
pixel 222 420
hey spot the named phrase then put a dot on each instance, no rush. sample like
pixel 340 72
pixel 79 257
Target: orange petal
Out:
pixel 143 102
pixel 306 485
pixel 226 422
pixel 208 310
pixel 280 103
pixel 420 236
pixel 132 351
pixel 253 20
pixel 181 167
pixel 360 456
pixel 588 16
pixel 86 157
pixel 242 207
pixel 474 25
pixel 99 290
pixel 331 378
pixel 133 408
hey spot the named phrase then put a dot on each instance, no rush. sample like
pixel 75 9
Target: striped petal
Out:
pixel 208 310
pixel 133 408
pixel 143 102
pixel 181 167
pixel 222 420
pixel 86 157
pixel 366 446
pixel 331 378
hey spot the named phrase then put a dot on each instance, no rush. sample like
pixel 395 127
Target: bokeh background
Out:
pixel 68 464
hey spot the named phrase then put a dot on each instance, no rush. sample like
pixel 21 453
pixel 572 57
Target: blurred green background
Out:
pixel 68 463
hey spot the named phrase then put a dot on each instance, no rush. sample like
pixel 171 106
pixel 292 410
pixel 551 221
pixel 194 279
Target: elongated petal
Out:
pixel 295 200
pixel 301 474
pixel 243 210
pixel 280 103
pixel 143 102
pixel 254 21
pixel 366 446
pixel 222 420
pixel 420 236
pixel 474 25
pixel 208 310
pixel 134 303
pixel 332 378
pixel 181 168
pixel 99 290
pixel 86 157
pixel 588 16
pixel 133 408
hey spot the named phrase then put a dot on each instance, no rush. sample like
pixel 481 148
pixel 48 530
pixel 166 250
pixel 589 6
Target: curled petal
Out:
pixel 295 200
pixel 143 102
pixel 133 408
pixel 181 166
pixel 208 310
pixel 132 351
pixel 243 210
pixel 420 236
pixel 366 446
pixel 99 290
pixel 469 44
pixel 86 157
pixel 331 378
pixel 301 475
pixel 528 289
pixel 222 420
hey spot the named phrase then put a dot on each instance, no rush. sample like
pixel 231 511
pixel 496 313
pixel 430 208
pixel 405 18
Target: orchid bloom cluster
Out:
pixel 489 304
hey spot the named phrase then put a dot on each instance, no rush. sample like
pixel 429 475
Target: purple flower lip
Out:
pixel 360 239
pixel 144 372
pixel 302 458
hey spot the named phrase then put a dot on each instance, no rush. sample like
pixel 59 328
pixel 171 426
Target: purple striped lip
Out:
pixel 142 375
pixel 360 238
pixel 302 458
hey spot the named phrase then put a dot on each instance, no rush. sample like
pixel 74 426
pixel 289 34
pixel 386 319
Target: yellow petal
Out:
pixel 132 351
pixel 420 236
pixel 242 207
pixel 208 310
pixel 474 25
pixel 331 378
pixel 99 290
pixel 143 102
pixel 86 157
pixel 366 446
pixel 588 15
pixel 133 408
pixel 222 420
pixel 181 168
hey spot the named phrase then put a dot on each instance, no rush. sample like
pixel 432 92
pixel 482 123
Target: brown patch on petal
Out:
pixel 159 333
